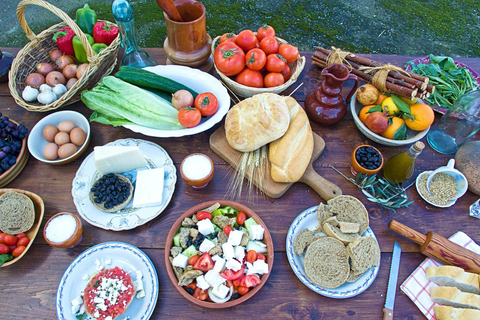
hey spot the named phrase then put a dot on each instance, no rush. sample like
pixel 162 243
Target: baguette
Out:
pixel 290 155
pixel 451 276
pixel 449 313
pixel 453 297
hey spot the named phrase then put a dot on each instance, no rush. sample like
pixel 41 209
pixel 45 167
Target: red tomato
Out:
pixel 261 256
pixel 265 31
pixel 18 251
pixel 286 72
pixel 227 230
pixel 12 248
pixel 192 286
pixel 23 241
pixel 202 215
pixel 229 58
pixel 275 63
pixel 247 40
pixel 250 281
pixel 193 259
pixel 242 290
pixel 289 52
pixel 200 294
pixel 232 275
pixel 241 217
pixel 2 237
pixel 4 248
pixel 269 45
pixel 10 240
pixel 228 37
pixel 207 103
pixel 250 78
pixel 236 282
pixel 21 235
pixel 252 256
pixel 189 117
pixel 204 263
pixel 255 59
pixel 273 79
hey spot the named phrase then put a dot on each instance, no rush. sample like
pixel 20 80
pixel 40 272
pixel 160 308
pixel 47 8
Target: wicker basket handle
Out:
pixel 62 15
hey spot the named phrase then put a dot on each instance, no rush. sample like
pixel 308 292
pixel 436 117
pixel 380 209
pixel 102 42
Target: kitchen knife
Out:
pixel 392 283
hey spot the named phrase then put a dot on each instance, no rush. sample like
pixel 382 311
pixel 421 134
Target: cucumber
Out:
pixel 249 222
pixel 176 240
pixel 190 251
pixel 150 80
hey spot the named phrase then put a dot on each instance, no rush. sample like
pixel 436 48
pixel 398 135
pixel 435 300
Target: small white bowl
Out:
pixel 36 141
pixel 462 186
pixel 412 136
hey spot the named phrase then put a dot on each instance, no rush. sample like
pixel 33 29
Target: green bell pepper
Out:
pixel 86 19
pixel 97 47
pixel 80 53
pixel 5 257
pixel 224 211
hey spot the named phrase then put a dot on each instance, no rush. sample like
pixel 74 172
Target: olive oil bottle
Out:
pixel 400 167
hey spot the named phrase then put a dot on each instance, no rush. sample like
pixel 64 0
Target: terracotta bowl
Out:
pixel 189 213
pixel 74 240
pixel 356 167
pixel 22 159
pixel 32 233
pixel 199 183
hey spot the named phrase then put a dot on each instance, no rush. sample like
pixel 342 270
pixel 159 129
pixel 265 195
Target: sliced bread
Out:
pixel 451 276
pixel 17 213
pixel 364 253
pixel 322 215
pixel 352 277
pixel 349 209
pixel 449 313
pixel 349 227
pixel 326 262
pixel 331 228
pixel 453 297
pixel 303 239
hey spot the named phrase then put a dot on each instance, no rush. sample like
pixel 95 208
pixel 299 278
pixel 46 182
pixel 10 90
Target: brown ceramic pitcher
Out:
pixel 188 42
pixel 325 105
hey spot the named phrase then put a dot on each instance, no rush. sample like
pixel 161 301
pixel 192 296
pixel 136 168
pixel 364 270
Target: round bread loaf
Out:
pixel 17 213
pixel 326 262
pixel 364 253
pixel 349 209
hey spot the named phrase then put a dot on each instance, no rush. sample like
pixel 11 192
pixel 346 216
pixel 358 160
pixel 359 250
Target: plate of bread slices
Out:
pixel 332 249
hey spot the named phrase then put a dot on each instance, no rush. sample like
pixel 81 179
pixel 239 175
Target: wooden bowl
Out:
pixel 356 167
pixel 199 183
pixel 32 233
pixel 22 159
pixel 189 213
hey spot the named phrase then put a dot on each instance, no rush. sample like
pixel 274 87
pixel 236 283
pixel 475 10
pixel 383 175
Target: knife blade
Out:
pixel 392 283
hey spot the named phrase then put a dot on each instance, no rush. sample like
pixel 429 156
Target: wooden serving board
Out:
pixel 326 189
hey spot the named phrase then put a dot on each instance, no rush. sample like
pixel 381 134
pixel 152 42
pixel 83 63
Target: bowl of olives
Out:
pixel 366 159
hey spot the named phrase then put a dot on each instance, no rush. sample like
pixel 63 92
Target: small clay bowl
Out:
pixel 198 183
pixel 120 206
pixel 74 240
pixel 356 167
pixel 267 239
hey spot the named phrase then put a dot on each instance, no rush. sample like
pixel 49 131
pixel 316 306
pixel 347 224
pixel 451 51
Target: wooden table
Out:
pixel 28 288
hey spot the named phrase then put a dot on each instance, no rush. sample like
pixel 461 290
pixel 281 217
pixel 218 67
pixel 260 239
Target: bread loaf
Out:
pixel 453 297
pixel 331 228
pixel 256 121
pixel 349 209
pixel 290 155
pixel 454 277
pixel 17 213
pixel 303 239
pixel 364 253
pixel 449 313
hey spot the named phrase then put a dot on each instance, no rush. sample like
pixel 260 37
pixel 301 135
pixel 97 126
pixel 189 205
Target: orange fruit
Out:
pixel 397 126
pixel 380 99
pixel 363 113
pixel 422 117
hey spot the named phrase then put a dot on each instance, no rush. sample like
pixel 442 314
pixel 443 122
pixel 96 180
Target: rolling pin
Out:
pixel 169 7
pixel 439 248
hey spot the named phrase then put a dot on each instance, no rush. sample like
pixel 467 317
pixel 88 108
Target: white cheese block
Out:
pixel 258 267
pixel 216 257
pixel 239 253
pixel 256 232
pixel 219 264
pixel 206 245
pixel 202 283
pixel 228 252
pixel 118 159
pixel 214 279
pixel 235 237
pixel 205 227
pixel 233 265
pixel 221 291
pixel 180 261
pixel 149 188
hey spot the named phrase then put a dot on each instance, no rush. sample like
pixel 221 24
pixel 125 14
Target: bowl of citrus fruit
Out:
pixel 389 119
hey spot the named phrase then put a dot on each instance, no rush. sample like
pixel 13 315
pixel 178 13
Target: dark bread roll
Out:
pixel 17 213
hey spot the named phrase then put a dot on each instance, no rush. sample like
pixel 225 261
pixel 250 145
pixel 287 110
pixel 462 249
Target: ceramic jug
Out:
pixel 325 105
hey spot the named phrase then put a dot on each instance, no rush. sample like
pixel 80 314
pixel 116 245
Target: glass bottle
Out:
pixel 400 167
pixel 6 60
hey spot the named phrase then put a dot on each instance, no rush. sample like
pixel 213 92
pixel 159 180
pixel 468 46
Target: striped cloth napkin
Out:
pixel 417 287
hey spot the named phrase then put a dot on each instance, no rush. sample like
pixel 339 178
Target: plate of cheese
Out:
pixel 145 164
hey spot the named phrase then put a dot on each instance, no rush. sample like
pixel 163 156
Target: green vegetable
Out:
pixel 82 316
pixel 86 19
pixel 176 240
pixel 97 47
pixel 80 53
pixel 150 80
pixel 119 102
pixel 224 211
pixel 401 105
pixel 190 251
pixel 5 257
pixel 249 222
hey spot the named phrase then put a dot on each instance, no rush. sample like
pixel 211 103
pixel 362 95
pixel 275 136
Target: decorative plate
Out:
pixel 308 219
pixel 129 217
pixel 199 81
pixel 417 185
pixel 120 254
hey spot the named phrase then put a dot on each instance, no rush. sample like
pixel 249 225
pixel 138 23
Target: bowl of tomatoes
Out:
pixel 256 62
pixel 219 254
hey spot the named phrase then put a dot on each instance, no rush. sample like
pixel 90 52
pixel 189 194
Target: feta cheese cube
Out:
pixel 228 252
pixel 219 264
pixel 233 264
pixel 260 266
pixel 214 279
pixel 180 261
pixel 216 257
pixel 256 232
pixel 221 291
pixel 206 245
pixel 239 253
pixel 235 237
pixel 202 283
pixel 205 227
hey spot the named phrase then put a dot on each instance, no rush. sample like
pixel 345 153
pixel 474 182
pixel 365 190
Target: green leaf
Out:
pixel 374 109
pixel 401 132
pixel 401 105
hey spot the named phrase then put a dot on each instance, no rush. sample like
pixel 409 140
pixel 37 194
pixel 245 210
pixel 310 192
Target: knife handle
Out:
pixel 387 314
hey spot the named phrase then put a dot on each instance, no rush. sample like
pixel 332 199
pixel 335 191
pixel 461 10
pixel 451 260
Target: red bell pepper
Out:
pixel 104 33
pixel 63 39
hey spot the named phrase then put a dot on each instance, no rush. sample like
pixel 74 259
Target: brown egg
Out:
pixel 49 132
pixel 50 151
pixel 67 150
pixel 78 136
pixel 61 138
pixel 66 126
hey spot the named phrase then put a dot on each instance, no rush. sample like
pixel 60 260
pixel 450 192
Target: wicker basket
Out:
pixel 37 51
pixel 246 92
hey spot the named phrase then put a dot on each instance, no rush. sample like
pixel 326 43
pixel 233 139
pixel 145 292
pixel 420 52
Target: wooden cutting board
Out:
pixel 326 189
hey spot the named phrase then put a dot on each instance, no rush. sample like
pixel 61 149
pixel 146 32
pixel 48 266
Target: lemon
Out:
pixel 389 106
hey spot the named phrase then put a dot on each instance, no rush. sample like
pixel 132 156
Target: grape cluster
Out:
pixel 368 158
pixel 110 190
pixel 11 137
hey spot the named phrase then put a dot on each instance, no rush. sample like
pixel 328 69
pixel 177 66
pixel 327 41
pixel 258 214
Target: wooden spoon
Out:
pixel 169 7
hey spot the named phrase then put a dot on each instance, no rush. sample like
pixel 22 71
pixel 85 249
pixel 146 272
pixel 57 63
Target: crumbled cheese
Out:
pixel 76 304
pixel 206 245
pixel 85 277
pixel 235 237
pixel 140 294
pixel 107 262
pixel 258 267
pixel 221 291
pixel 219 264
pixel 98 266
pixel 180 261
pixel 216 257
pixel 214 279
pixel 202 283
pixel 256 232
pixel 228 252
pixel 239 253
pixel 233 265
pixel 205 227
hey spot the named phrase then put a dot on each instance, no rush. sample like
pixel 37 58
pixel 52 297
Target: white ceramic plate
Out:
pixel 308 219
pixel 129 217
pixel 199 81
pixel 450 203
pixel 122 255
